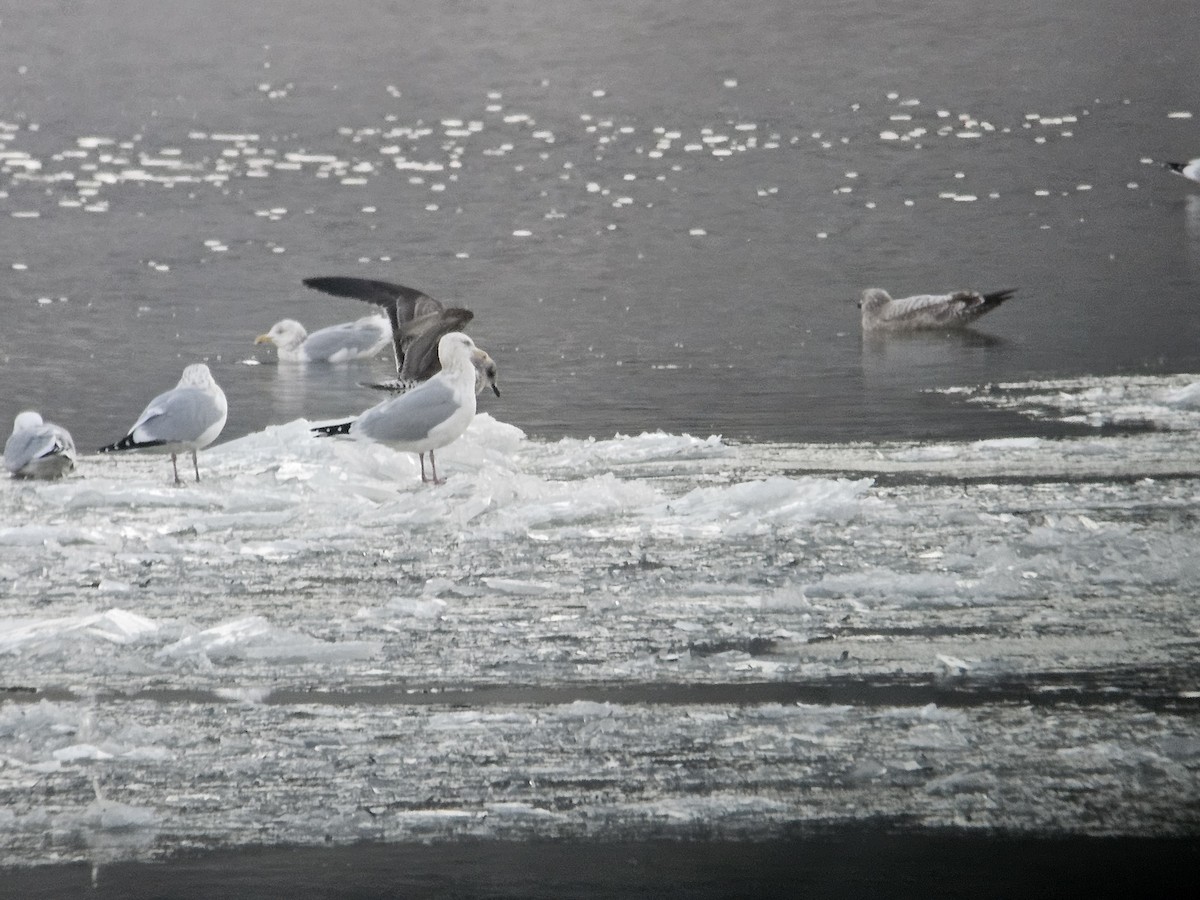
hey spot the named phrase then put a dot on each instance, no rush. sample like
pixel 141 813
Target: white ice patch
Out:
pixel 1169 402
pixel 760 506
pixel 116 626
pixel 253 637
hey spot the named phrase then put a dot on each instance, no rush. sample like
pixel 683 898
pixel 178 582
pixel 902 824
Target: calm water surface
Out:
pixel 662 214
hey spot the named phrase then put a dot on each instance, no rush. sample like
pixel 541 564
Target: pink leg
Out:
pixel 175 469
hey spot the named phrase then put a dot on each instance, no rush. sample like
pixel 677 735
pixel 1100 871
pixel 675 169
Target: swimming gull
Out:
pixel 925 311
pixel 38 449
pixel 418 323
pixel 430 415
pixel 187 417
pixel 1189 169
pixel 336 344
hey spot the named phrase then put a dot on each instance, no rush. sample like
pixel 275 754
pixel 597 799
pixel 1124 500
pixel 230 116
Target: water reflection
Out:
pixel 318 391
pixel 1193 218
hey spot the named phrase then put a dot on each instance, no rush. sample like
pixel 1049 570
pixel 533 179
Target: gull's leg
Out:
pixel 196 466
pixel 175 469
pixel 433 466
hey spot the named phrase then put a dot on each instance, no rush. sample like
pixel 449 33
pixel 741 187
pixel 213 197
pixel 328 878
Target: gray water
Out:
pixel 152 215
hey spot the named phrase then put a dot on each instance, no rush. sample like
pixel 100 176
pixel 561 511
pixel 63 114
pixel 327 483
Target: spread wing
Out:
pixel 402 304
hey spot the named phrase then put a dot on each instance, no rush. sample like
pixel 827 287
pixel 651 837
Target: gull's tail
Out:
pixel 395 386
pixel 130 443
pixel 331 430
pixel 994 299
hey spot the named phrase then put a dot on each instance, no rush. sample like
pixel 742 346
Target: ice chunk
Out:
pixel 77 752
pixel 253 637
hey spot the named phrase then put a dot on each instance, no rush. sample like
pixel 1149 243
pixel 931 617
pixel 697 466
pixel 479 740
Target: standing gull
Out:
pixel 430 415
pixel 925 312
pixel 419 322
pixel 187 417
pixel 1189 170
pixel 336 344
pixel 38 449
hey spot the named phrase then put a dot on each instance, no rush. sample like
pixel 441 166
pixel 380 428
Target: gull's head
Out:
pixel 455 350
pixel 27 419
pixel 874 299
pixel 485 372
pixel 286 334
pixel 197 375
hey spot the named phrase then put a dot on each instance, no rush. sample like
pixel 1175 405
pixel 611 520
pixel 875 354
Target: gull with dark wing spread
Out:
pixel 419 322
pixel 926 312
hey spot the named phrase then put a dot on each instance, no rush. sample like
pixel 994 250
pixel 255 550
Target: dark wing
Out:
pixel 994 299
pixel 420 342
pixel 966 306
pixel 403 304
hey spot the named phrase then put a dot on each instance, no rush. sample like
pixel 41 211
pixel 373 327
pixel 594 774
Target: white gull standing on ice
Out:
pixel 38 449
pixel 431 415
pixel 346 342
pixel 419 322
pixel 187 417
pixel 925 312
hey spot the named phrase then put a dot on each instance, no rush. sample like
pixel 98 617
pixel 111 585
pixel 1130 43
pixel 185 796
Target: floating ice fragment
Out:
pixel 77 752
pixel 953 665
pixel 1179 114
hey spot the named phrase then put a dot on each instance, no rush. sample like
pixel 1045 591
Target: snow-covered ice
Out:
pixel 639 635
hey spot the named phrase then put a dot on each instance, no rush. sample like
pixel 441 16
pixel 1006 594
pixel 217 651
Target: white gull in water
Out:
pixel 429 416
pixel 38 449
pixel 187 417
pixel 418 321
pixel 925 311
pixel 1189 169
pixel 346 342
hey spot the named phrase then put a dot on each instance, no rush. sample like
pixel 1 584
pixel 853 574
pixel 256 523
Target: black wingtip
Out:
pixel 128 443
pixel 997 297
pixel 1175 167
pixel 332 430
pixel 371 290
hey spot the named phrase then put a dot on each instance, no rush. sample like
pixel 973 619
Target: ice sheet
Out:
pixel 640 635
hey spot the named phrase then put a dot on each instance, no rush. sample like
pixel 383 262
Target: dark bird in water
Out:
pixel 418 321
pixel 926 312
